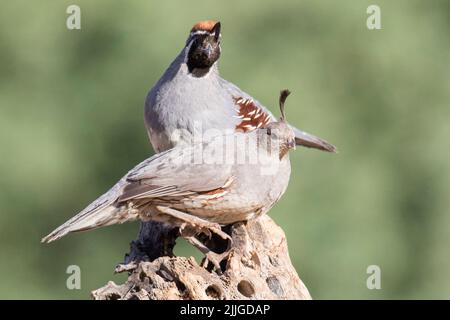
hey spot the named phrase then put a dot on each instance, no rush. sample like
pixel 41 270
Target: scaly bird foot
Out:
pixel 210 256
pixel 184 220
pixel 215 259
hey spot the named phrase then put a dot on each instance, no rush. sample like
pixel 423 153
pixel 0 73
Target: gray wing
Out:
pixel 236 92
pixel 177 172
pixel 302 138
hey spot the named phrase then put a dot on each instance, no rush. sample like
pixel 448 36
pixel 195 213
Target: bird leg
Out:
pixel 182 220
pixel 190 226
pixel 210 256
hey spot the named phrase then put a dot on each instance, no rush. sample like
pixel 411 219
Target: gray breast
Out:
pixel 184 106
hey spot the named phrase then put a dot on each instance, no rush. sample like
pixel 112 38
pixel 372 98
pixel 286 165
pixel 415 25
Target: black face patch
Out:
pixel 203 53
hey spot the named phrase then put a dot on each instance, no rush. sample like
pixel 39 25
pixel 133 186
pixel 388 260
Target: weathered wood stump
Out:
pixel 258 267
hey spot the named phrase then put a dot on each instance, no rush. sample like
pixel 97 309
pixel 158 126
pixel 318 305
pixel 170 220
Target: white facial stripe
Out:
pixel 198 32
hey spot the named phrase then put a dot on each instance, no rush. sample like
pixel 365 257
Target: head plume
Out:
pixel 283 96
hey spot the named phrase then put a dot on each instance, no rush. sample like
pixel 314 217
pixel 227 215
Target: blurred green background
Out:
pixel 71 124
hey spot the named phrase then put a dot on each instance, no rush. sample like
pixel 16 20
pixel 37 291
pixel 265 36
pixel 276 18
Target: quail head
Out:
pixel 191 97
pixel 199 187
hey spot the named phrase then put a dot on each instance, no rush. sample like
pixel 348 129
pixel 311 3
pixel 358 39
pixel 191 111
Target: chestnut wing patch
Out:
pixel 252 117
pixel 219 192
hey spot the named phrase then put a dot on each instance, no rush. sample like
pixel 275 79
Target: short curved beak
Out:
pixel 208 49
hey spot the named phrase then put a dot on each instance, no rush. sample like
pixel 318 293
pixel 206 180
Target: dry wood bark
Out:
pixel 258 267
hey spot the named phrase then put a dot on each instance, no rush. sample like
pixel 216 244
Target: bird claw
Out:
pixel 215 228
pixel 207 228
pixel 215 259
pixel 190 226
pixel 191 222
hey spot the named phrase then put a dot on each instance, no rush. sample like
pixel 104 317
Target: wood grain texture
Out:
pixel 259 267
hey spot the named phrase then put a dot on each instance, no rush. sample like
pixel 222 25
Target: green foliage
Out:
pixel 71 107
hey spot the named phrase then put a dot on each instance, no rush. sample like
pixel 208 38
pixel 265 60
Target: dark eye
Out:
pixel 269 131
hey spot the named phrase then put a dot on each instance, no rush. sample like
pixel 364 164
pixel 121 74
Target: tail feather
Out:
pixel 102 212
pixel 85 221
pixel 311 141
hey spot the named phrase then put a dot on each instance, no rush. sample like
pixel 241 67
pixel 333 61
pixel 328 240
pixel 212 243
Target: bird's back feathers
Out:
pixel 167 174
